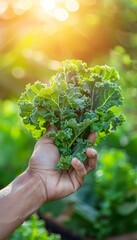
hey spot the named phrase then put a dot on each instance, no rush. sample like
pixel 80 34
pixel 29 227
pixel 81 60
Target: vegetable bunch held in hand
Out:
pixel 77 101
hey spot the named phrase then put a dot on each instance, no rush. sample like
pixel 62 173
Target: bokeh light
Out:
pixel 61 14
pixel 3 6
pixel 18 72
pixel 48 5
pixel 20 6
pixel 59 10
pixel 72 5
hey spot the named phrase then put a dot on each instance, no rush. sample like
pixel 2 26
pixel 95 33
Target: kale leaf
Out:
pixel 76 101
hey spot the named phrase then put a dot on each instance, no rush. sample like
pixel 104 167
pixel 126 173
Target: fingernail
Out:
pixel 94 153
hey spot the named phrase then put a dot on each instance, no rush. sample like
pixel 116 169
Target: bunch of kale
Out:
pixel 77 100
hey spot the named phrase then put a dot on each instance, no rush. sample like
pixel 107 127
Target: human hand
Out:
pixel 59 183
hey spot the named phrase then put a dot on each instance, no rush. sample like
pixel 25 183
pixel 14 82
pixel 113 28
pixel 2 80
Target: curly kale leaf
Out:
pixel 77 100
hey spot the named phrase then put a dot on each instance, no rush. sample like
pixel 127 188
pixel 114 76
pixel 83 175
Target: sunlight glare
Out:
pixel 72 5
pixel 3 6
pixel 20 6
pixel 61 14
pixel 48 4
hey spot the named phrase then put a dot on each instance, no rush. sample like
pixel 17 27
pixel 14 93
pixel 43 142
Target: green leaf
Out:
pixel 127 208
pixel 105 73
pixel 106 95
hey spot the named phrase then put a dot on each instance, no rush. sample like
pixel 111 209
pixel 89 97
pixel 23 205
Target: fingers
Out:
pixel 80 170
pixel 91 161
pixel 92 137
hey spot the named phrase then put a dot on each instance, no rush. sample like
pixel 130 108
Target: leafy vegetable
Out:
pixel 33 229
pixel 77 100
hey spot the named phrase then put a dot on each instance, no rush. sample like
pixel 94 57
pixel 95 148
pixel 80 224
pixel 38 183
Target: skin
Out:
pixel 40 183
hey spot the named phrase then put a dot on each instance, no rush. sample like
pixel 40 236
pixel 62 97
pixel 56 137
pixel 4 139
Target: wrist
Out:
pixel 37 184
pixel 19 200
pixel 28 190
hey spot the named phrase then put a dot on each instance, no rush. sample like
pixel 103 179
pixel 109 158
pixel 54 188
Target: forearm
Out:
pixel 17 201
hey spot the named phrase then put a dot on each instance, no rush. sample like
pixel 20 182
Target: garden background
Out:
pixel 35 36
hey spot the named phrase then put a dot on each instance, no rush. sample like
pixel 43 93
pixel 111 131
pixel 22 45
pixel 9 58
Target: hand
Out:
pixel 59 183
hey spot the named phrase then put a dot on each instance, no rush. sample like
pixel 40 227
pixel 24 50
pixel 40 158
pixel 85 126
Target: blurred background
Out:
pixel 35 36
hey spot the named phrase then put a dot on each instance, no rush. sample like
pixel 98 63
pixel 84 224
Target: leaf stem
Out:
pixel 74 139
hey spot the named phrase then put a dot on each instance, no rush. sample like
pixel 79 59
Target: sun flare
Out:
pixel 48 5
pixel 59 9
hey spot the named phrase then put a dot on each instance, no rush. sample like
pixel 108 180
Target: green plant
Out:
pixel 78 100
pixel 106 205
pixel 16 144
pixel 33 229
pixel 110 197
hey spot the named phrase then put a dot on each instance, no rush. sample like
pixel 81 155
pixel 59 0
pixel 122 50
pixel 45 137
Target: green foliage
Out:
pixel 15 143
pixel 107 203
pixel 114 197
pixel 33 229
pixel 77 101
